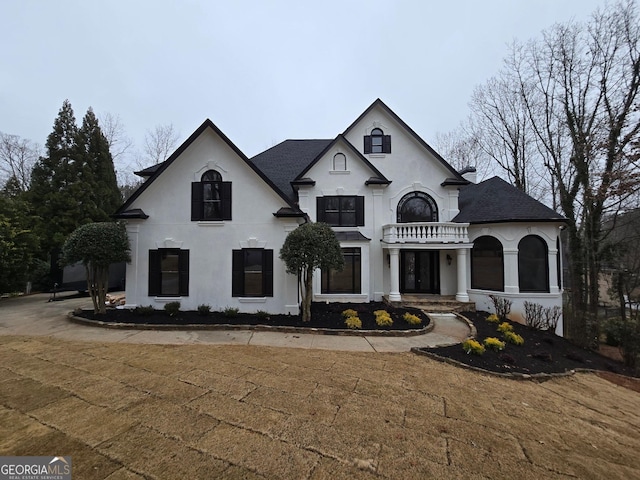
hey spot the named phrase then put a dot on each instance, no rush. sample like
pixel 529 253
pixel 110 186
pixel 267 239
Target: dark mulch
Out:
pixel 542 352
pixel 323 315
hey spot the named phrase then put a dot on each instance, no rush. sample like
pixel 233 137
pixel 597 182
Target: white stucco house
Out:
pixel 207 225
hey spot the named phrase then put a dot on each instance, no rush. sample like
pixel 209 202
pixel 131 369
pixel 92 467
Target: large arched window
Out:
pixel 417 207
pixel 533 264
pixel 487 264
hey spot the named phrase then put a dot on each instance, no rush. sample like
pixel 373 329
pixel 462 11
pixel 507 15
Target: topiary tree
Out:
pixel 97 245
pixel 310 246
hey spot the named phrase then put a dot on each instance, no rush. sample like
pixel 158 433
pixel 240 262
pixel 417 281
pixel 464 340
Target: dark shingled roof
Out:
pixel 284 162
pixel 495 201
pixel 147 172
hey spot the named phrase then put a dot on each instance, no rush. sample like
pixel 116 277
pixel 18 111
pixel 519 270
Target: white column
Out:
pixel 553 271
pixel 394 293
pixel 376 253
pixel 461 262
pixel 511 281
pixel 132 279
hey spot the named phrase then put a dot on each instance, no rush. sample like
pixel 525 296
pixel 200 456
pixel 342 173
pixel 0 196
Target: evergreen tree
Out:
pixel 73 184
pixel 18 244
pixel 97 175
pixel 52 196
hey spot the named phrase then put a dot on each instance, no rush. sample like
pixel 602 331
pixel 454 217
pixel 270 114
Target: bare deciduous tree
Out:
pixel 580 87
pixel 17 158
pixel 462 149
pixel 159 143
pixel 113 129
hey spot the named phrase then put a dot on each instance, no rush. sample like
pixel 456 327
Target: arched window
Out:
pixel 377 142
pixel 211 197
pixel 340 162
pixel 533 264
pixel 417 207
pixel 487 264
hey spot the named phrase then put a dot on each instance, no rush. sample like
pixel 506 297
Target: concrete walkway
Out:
pixel 34 316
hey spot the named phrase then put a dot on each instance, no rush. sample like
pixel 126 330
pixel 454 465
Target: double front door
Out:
pixel 420 271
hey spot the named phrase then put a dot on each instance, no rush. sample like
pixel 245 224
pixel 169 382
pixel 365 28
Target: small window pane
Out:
pixel 253 273
pixel 211 176
pixel 170 275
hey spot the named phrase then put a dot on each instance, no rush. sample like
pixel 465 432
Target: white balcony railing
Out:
pixel 427 232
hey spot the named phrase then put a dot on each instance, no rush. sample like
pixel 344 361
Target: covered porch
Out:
pixel 418 251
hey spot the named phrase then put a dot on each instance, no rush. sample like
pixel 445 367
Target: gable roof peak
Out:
pixel 379 103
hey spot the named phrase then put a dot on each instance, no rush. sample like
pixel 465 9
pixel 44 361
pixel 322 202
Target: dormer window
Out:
pixel 340 162
pixel 211 197
pixel 377 142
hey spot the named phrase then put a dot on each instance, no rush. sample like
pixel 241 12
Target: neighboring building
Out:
pixel 207 225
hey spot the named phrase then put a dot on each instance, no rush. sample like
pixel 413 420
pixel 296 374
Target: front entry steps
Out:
pixel 433 303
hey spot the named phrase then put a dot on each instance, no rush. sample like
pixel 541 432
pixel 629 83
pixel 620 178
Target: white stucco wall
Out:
pixel 167 201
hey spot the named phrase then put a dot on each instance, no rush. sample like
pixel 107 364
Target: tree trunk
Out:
pixel 307 295
pixel 102 286
pixel 91 285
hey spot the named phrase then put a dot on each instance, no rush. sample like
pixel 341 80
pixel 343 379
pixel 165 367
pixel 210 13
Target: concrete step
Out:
pixel 434 303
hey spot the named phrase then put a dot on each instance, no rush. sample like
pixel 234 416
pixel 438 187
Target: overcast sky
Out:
pixel 262 71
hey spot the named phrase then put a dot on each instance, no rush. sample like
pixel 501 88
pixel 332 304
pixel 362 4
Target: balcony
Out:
pixel 427 232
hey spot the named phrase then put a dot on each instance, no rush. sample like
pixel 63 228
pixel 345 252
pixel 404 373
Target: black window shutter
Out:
pixel 226 200
pixel 367 144
pixel 154 272
pixel 196 201
pixel 360 211
pixel 386 144
pixel 237 275
pixel 183 266
pixel 267 272
pixel 320 206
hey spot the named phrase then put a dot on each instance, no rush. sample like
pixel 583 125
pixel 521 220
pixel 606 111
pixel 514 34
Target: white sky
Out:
pixel 262 71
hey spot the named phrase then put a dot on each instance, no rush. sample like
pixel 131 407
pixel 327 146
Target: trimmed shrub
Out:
pixel 472 346
pixel 204 310
pixel 494 343
pixel 353 322
pixel 172 308
pixel 383 319
pixel 513 338
pixel 231 312
pixel 144 311
pixel 412 319
pixel 505 327
pixel 349 313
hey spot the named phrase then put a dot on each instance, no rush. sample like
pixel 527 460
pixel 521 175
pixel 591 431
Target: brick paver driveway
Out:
pixel 125 411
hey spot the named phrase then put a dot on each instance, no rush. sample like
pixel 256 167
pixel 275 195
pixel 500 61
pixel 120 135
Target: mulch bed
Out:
pixel 542 352
pixel 323 315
